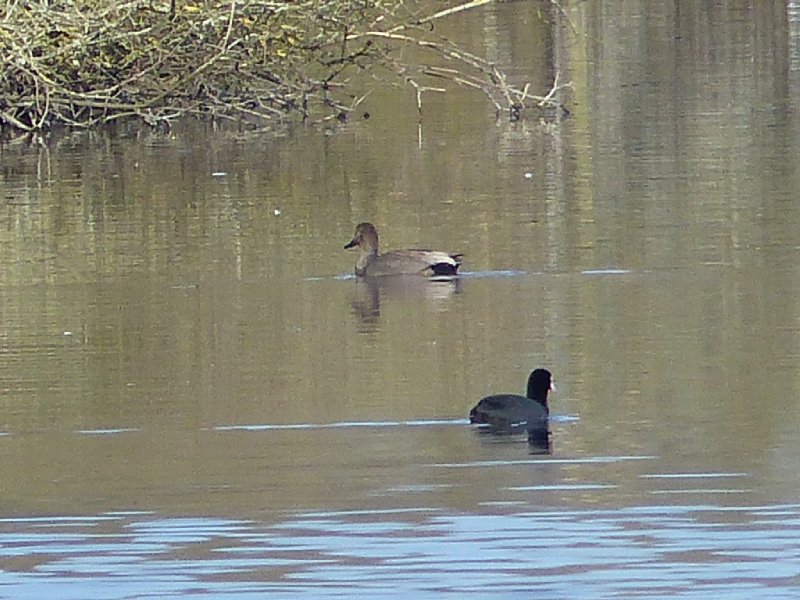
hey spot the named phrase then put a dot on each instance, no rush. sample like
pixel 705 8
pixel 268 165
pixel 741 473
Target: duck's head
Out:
pixel 366 236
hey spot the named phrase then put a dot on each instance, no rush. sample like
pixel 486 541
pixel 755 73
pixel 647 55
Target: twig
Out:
pixel 565 15
pixel 552 91
pixel 421 88
pixel 443 13
pixel 11 120
pixel 46 110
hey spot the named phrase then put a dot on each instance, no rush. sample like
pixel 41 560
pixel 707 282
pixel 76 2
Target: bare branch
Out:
pixel 256 60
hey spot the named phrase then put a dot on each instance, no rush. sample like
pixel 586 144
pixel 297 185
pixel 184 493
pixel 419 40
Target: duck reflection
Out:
pixel 370 292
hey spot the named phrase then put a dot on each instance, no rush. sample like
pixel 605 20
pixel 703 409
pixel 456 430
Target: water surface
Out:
pixel 197 397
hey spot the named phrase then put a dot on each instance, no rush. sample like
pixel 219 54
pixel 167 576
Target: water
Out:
pixel 660 552
pixel 197 397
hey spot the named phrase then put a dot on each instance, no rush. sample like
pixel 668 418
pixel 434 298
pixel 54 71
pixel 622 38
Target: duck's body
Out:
pixel 504 411
pixel 398 262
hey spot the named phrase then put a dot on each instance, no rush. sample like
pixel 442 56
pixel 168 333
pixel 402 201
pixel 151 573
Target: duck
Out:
pixel 504 411
pixel 399 262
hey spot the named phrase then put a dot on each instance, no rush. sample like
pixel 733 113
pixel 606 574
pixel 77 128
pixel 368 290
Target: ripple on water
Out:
pixel 498 273
pixel 348 424
pixel 106 431
pixel 542 461
pixel 609 271
pixel 655 551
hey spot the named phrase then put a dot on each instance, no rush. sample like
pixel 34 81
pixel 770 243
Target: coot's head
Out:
pixel 540 383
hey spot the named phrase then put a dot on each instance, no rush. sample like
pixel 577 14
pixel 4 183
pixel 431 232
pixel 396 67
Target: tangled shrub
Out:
pixel 84 62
